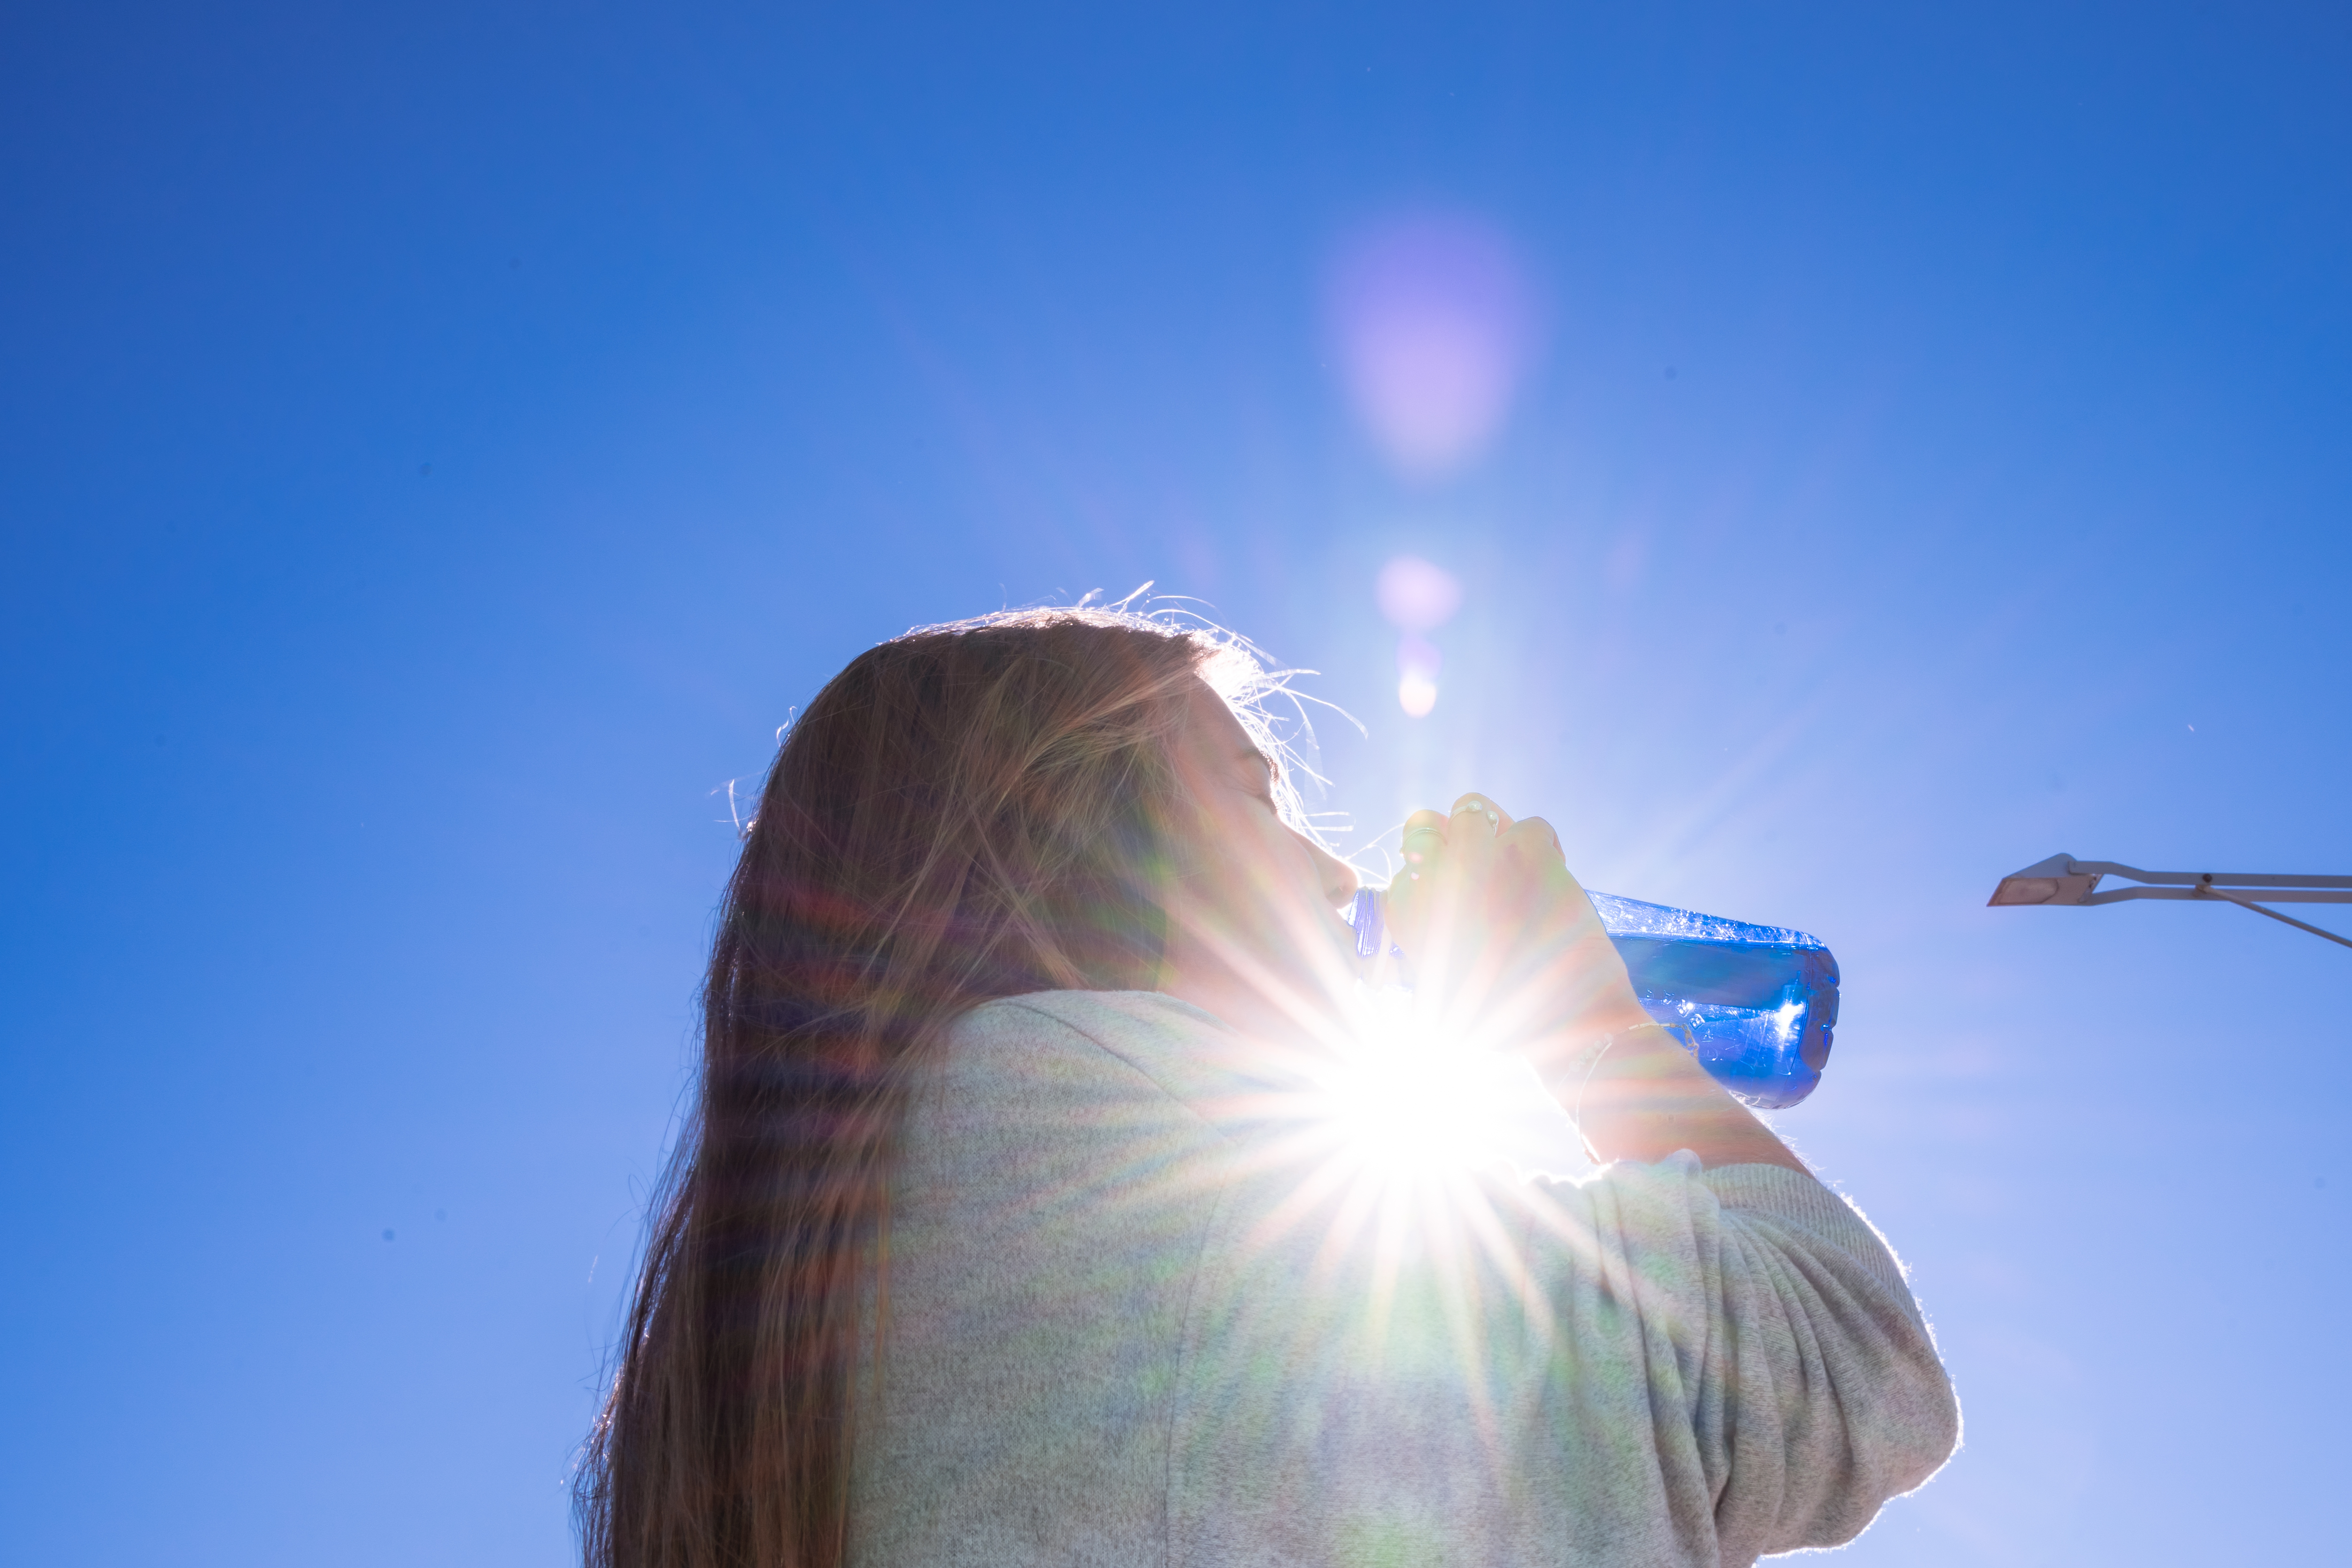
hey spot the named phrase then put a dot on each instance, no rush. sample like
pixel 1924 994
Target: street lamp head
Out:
pixel 2051 881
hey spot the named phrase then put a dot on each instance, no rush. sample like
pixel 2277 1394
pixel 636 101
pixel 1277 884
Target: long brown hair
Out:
pixel 969 811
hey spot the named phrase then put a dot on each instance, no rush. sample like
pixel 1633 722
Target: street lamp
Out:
pixel 2063 879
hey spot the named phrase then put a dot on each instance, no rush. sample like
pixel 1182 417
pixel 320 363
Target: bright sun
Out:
pixel 1406 1108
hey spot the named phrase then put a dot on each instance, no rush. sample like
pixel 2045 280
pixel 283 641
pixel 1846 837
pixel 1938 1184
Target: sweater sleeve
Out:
pixel 1820 1393
pixel 1658 1366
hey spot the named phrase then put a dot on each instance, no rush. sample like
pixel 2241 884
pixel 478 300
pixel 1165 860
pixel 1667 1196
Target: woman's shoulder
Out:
pixel 1105 1016
pixel 1182 1051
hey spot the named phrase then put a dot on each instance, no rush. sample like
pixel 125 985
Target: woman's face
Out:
pixel 1254 932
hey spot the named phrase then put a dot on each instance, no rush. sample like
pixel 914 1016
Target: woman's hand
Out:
pixel 1503 944
pixel 1506 951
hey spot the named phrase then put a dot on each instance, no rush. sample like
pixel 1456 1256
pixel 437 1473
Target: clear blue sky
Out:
pixel 439 445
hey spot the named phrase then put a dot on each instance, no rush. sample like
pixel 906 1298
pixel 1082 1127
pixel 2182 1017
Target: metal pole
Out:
pixel 2211 892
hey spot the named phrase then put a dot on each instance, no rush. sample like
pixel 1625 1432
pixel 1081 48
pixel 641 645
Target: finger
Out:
pixel 1532 864
pixel 1479 807
pixel 1422 843
pixel 1531 835
pixel 1472 836
pixel 1419 825
pixel 1420 848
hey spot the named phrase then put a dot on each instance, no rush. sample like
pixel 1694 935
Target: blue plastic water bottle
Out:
pixel 1757 1005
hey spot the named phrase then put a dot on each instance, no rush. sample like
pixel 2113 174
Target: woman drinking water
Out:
pixel 1015 1223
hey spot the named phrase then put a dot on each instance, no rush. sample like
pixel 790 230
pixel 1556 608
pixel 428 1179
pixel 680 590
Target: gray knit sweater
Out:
pixel 1140 1310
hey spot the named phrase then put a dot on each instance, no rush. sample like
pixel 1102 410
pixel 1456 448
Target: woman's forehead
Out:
pixel 1213 732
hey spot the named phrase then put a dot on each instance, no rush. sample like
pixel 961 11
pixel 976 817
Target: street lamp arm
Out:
pixel 2063 880
pixel 2208 878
